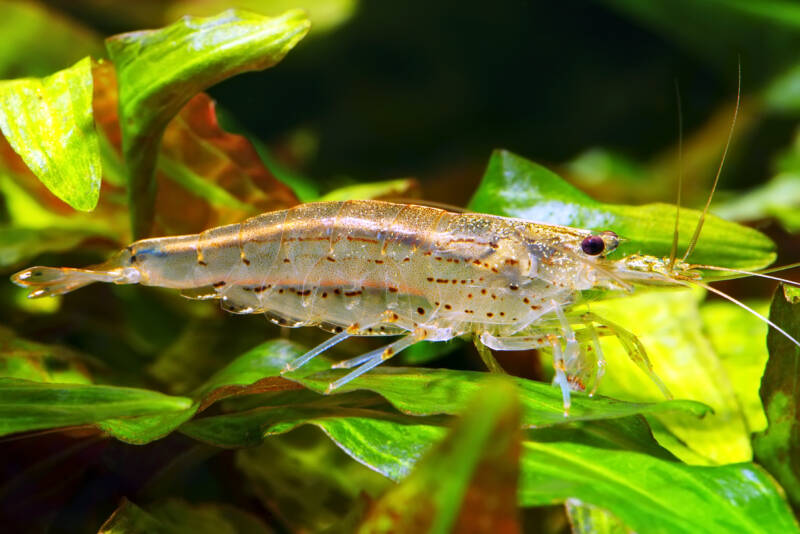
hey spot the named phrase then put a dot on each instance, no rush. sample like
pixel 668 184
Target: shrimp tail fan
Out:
pixel 52 281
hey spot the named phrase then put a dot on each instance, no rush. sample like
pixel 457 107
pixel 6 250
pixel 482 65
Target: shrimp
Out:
pixel 372 268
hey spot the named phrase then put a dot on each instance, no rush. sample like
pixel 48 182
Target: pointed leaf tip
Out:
pixel 49 122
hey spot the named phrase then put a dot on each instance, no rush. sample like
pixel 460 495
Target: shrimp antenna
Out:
pixel 674 250
pixel 743 273
pixel 702 219
pixel 747 308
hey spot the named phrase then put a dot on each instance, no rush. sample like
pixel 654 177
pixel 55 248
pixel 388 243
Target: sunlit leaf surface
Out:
pixel 49 123
pixel 670 326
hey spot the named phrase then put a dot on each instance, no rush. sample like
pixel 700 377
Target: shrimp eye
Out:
pixel 593 245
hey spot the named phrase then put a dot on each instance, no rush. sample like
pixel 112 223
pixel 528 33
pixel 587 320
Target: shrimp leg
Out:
pixel 371 360
pixel 487 356
pixel 319 349
pixel 633 347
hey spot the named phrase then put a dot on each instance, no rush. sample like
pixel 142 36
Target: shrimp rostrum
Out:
pixel 370 268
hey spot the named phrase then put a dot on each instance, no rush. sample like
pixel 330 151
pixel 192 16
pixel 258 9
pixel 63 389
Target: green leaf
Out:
pixel 469 478
pixel 515 187
pixel 160 70
pixel 670 326
pixel 253 372
pixel 738 340
pixel 630 434
pixel 648 494
pixel 778 448
pixel 652 495
pixel 26 405
pixel 49 123
pixel 442 391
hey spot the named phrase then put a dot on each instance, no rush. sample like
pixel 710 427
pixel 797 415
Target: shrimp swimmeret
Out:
pixel 371 268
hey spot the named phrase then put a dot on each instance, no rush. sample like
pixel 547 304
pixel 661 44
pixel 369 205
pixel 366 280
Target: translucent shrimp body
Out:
pixel 363 268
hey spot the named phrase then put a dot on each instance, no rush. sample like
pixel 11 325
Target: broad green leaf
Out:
pixel 444 391
pixel 26 405
pixel 778 448
pixel 648 494
pixel 515 187
pixel 159 71
pixel 738 338
pixel 651 495
pixel 468 479
pixel 176 516
pixel 670 326
pixel 49 123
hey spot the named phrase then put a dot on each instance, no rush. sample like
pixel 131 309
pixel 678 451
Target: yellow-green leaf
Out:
pixel 50 124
